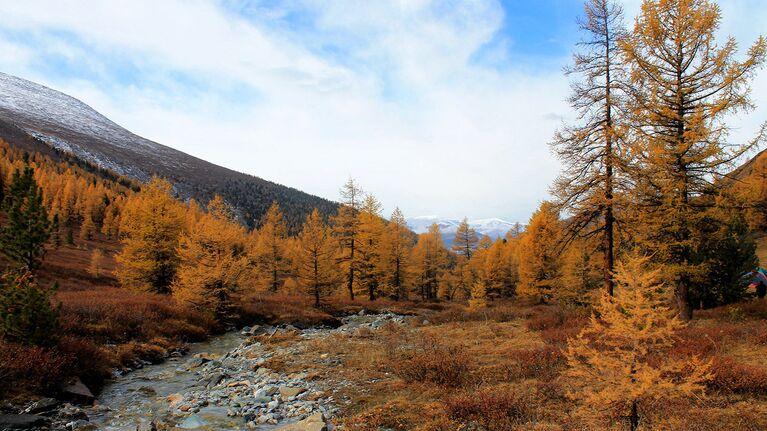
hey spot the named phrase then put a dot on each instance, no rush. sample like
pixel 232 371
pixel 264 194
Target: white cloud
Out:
pixel 401 107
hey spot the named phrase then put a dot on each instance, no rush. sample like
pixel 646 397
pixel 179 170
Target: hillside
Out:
pixel 37 118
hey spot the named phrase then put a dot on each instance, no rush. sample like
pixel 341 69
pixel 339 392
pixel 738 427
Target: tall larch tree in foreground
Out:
pixel 684 85
pixel 539 254
pixel 150 226
pixel 317 270
pixel 397 245
pixel 213 262
pixel 619 360
pixel 466 239
pixel 269 253
pixel 23 238
pixel 591 150
pixel 346 230
pixel 369 248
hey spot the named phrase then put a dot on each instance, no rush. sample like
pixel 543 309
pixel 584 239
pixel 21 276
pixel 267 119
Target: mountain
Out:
pixel 492 227
pixel 37 118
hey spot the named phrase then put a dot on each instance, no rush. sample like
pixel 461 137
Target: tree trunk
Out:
pixel 351 271
pixel 634 418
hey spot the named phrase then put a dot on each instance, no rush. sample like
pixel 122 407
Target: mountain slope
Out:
pixel 35 117
pixel 492 227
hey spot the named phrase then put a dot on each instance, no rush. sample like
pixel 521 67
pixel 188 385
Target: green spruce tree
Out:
pixel 23 238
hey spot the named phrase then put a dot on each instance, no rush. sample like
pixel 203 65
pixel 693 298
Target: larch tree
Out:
pixel 317 270
pixel 269 254
pixel 539 254
pixel 619 360
pixel 150 226
pixel 466 239
pixel 397 245
pixel 213 262
pixel 684 86
pixel 369 259
pixel 591 149
pixel 346 230
pixel 429 261
pixel 497 271
pixel 23 238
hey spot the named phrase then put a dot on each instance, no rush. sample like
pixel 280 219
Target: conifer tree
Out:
pixel 270 255
pixel 23 238
pixel 497 271
pixel 619 360
pixel 346 230
pixel 317 270
pixel 539 254
pixel 96 264
pixel 213 262
pixel 397 245
pixel 466 239
pixel 26 313
pixel 150 227
pixel 684 85
pixel 370 235
pixel 478 298
pixel 429 262
pixel 591 150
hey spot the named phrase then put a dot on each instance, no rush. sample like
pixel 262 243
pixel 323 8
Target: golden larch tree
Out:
pixel 684 86
pixel 540 264
pixel 346 230
pixel 619 360
pixel 466 239
pixel 269 254
pixel 429 262
pixel 150 226
pixel 397 243
pixel 317 271
pixel 369 247
pixel 213 262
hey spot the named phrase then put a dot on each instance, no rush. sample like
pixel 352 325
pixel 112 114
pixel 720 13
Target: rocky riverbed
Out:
pixel 226 383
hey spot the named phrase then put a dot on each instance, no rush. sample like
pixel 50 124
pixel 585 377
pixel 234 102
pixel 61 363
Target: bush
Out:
pixel 543 363
pixel 497 409
pixel 32 369
pixel 431 362
pixel 730 376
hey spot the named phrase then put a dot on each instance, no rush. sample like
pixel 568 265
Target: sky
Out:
pixel 440 107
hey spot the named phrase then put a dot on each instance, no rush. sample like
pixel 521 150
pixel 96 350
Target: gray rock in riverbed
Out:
pixel 22 422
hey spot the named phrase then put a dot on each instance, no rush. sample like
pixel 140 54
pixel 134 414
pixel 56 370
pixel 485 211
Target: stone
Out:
pixel 315 422
pixel 185 408
pixel 81 425
pixel 286 391
pixel 22 422
pixel 192 422
pixel 77 391
pixel 72 413
pixel 175 399
pixel 43 405
pixel 213 379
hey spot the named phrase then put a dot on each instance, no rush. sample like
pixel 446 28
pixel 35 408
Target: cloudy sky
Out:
pixel 439 107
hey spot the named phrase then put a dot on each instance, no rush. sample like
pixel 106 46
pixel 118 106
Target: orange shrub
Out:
pixel 431 362
pixel 497 409
pixel 730 376
pixel 543 363
pixel 31 369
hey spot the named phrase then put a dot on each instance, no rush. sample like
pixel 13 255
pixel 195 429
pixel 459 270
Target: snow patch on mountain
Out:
pixel 492 227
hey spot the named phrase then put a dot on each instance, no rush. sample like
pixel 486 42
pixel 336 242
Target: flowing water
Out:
pixel 141 396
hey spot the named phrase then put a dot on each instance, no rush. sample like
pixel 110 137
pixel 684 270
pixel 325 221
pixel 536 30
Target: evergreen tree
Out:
pixel 23 238
pixel 26 313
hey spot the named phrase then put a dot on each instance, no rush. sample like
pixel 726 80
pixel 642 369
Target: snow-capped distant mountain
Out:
pixel 38 118
pixel 492 227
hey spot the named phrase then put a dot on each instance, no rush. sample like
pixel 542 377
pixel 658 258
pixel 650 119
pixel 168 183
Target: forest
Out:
pixel 629 300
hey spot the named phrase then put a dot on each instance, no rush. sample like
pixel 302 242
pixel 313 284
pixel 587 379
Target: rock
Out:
pixel 213 380
pixel 271 405
pixel 194 363
pixel 22 422
pixel 185 408
pixel 192 422
pixel 261 371
pixel 175 399
pixel 147 390
pixel 72 413
pixel 315 422
pixel 78 392
pixel 43 405
pixel 239 383
pixel 361 313
pixel 286 391
pixel 81 425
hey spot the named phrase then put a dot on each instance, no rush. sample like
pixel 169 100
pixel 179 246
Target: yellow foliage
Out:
pixel 617 362
pixel 539 260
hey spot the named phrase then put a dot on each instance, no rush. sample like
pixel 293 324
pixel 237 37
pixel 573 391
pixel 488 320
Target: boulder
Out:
pixel 22 422
pixel 315 422
pixel 43 405
pixel 192 422
pixel 78 392
pixel 286 391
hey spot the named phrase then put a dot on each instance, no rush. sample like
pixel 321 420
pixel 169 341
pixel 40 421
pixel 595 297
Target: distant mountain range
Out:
pixel 37 118
pixel 492 227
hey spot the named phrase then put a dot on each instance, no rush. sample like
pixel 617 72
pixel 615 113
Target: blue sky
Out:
pixel 437 106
